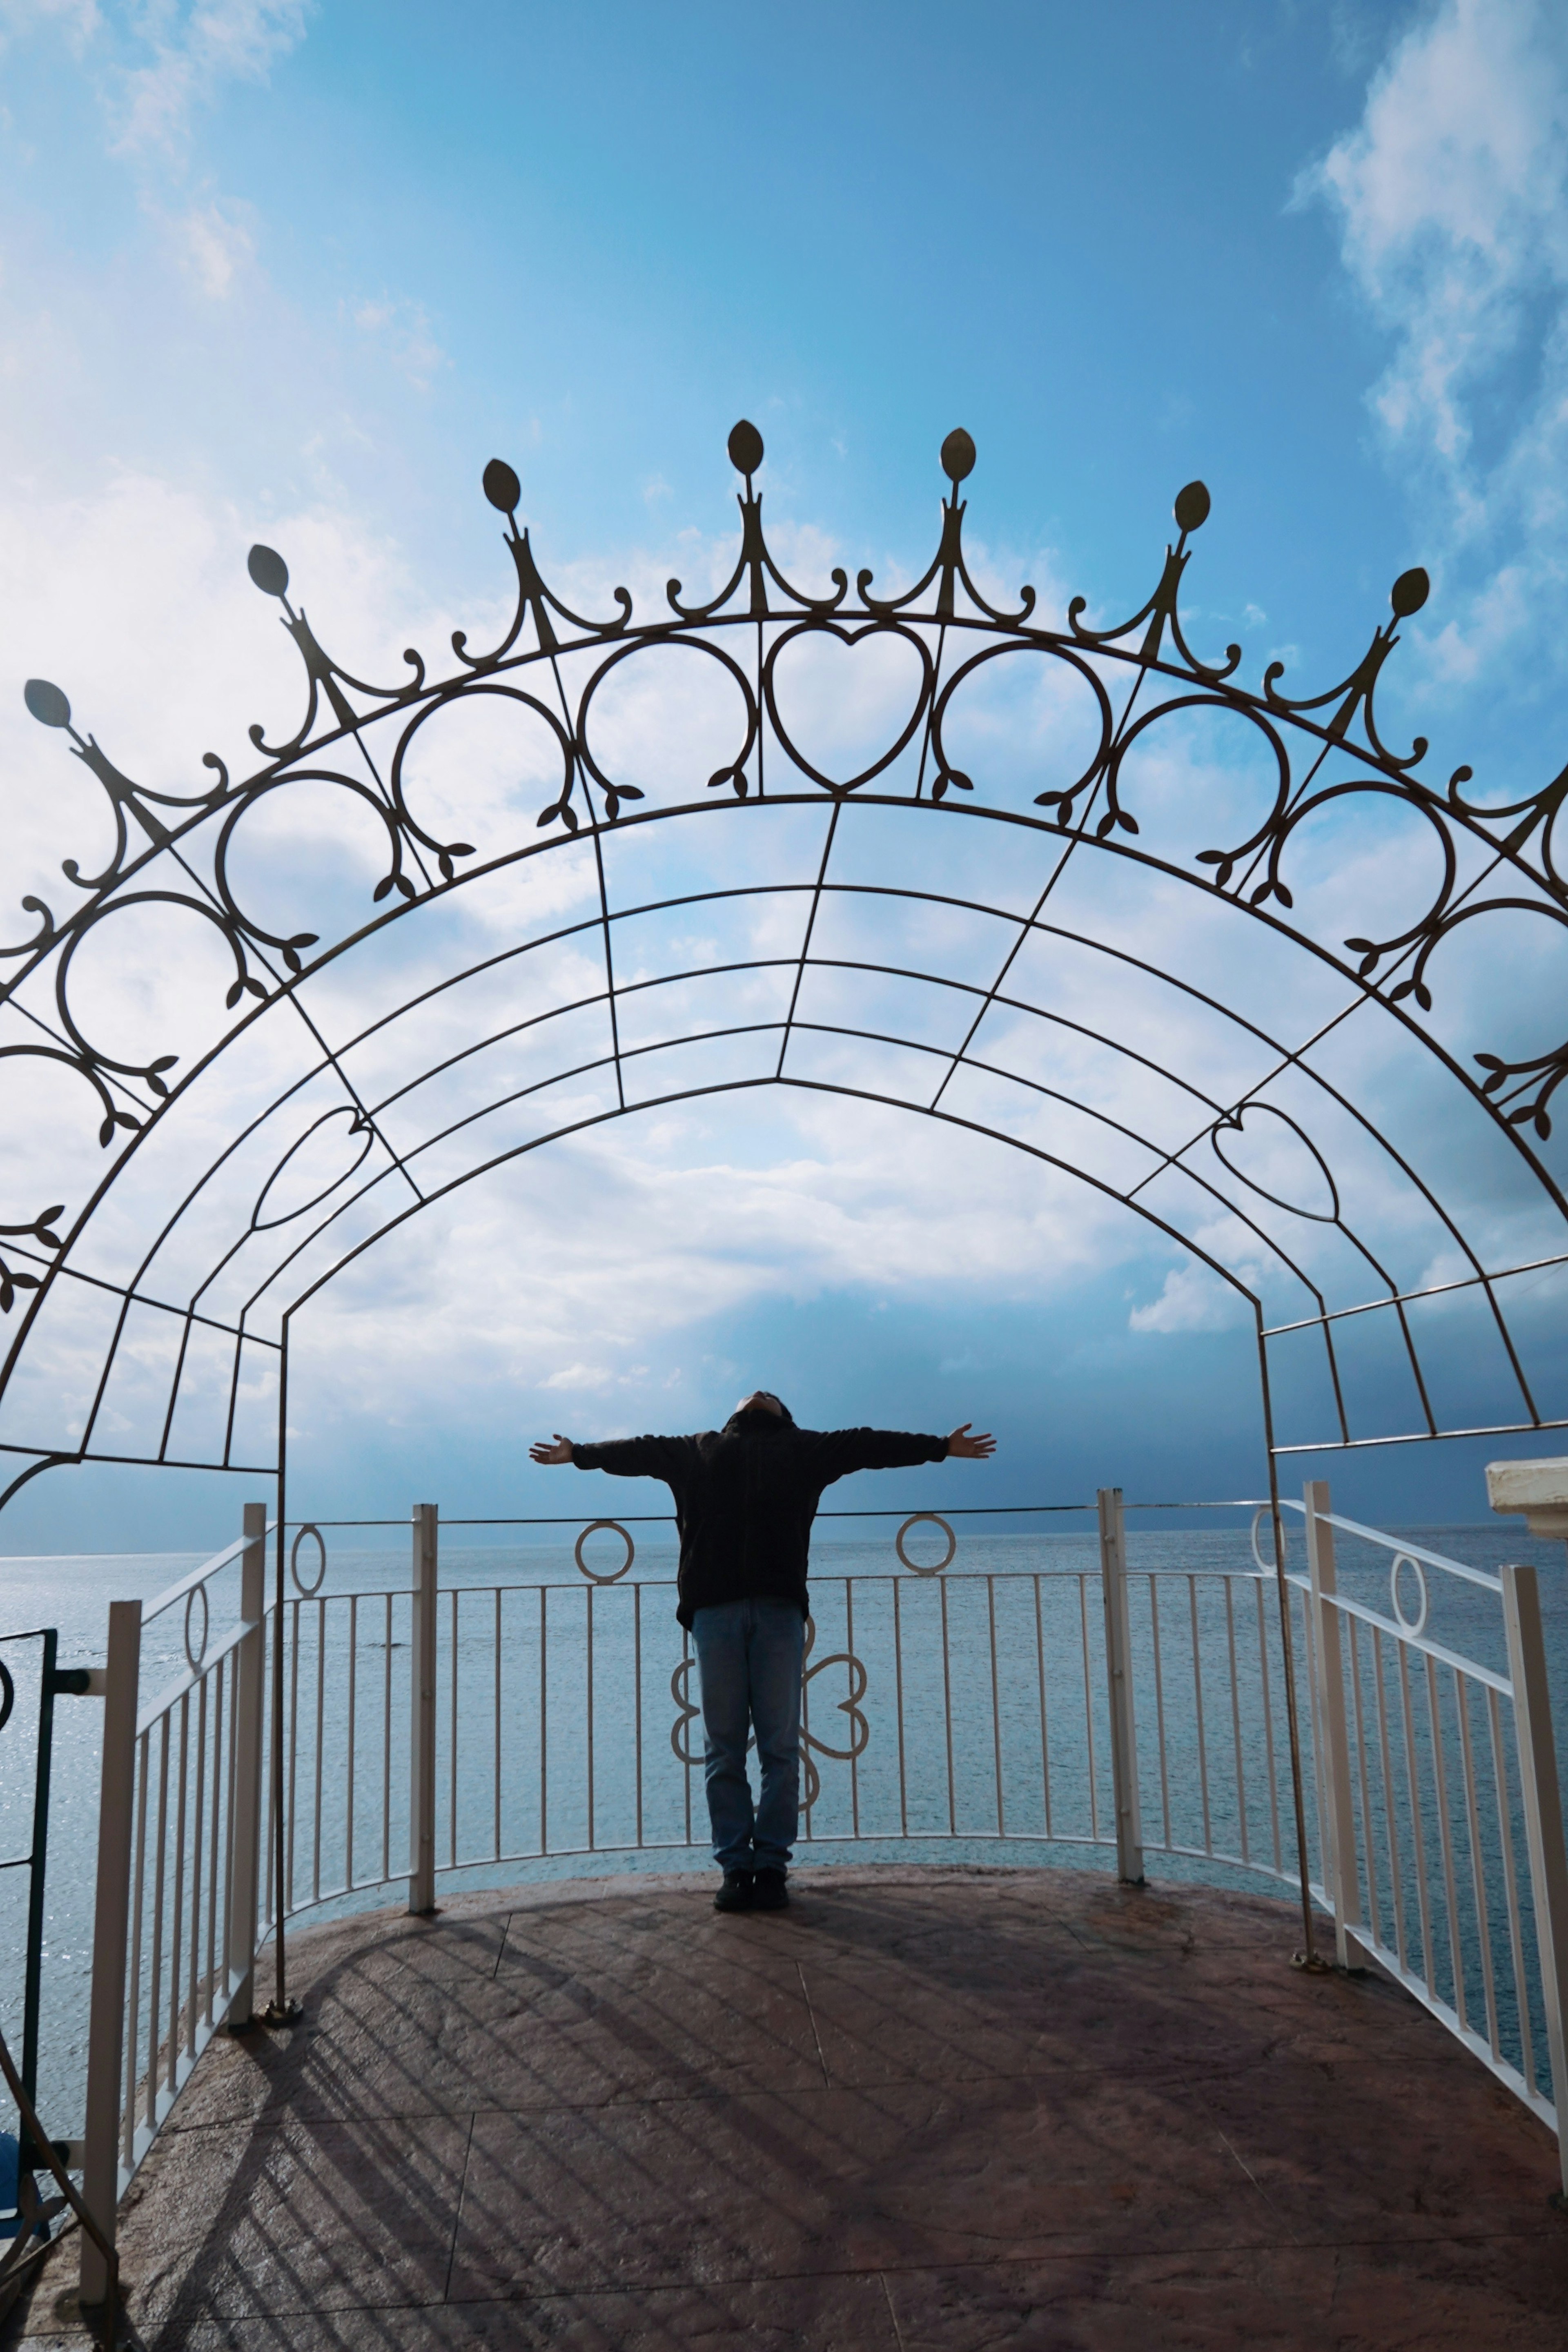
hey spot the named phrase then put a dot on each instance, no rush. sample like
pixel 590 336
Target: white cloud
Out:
pixel 1452 198
pixel 213 244
pixel 80 18
pixel 1192 1300
pixel 195 52
pixel 402 330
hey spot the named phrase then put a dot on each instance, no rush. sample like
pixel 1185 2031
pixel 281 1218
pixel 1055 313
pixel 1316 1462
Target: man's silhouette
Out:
pixel 745 1497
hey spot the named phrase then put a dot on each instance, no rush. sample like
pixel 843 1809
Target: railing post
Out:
pixel 1119 1673
pixel 1542 1821
pixel 111 1922
pixel 1341 1871
pixel 245 1855
pixel 422 1716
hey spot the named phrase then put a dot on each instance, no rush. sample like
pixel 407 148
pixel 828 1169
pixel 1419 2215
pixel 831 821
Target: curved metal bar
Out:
pixel 1394 971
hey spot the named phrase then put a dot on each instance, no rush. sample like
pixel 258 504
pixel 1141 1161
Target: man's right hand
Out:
pixel 560 1451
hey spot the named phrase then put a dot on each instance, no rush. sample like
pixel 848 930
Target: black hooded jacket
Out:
pixel 745 1497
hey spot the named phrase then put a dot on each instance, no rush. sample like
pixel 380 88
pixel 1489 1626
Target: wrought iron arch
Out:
pixel 1073 871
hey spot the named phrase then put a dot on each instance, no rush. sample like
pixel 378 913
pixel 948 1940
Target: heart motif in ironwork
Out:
pixel 1247 1125
pixel 859 683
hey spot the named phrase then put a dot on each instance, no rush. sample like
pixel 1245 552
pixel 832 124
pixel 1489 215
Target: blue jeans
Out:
pixel 749 1657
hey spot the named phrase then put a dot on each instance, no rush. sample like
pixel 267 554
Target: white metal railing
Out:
pixel 1139 1707
pixel 175 1924
pixel 1437 1788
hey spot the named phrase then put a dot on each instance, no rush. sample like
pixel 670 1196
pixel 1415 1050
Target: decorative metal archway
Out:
pixel 1154 999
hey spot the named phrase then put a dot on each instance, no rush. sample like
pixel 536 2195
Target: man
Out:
pixel 745 1497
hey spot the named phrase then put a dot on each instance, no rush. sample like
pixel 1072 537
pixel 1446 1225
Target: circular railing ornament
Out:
pixel 1267 1567
pixel 194 1657
pixel 1410 1624
pixel 8 1694
pixel 612 1526
pixel 308 1591
pixel 930 1519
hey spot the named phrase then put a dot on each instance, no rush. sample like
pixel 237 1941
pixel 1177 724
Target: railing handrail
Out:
pixel 1398 1546
pixel 175 1691
pixel 166 1600
pixel 891 1511
pixel 1411 1636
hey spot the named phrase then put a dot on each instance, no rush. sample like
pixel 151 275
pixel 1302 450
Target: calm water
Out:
pixel 947 1773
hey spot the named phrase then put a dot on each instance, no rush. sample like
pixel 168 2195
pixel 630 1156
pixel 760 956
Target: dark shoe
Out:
pixel 769 1891
pixel 735 1895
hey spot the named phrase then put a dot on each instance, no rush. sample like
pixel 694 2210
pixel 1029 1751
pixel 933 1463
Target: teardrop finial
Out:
pixel 501 487
pixel 47 703
pixel 745 445
pixel 269 571
pixel 1409 592
pixel 958 454
pixel 1191 508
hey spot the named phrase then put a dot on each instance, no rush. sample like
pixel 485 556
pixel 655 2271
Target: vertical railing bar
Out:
pixel 178 1922
pixel 1417 1835
pixel 197 1826
pixel 686 1686
pixel 1045 1732
pixel 1198 1698
pixel 1395 1872
pixel 995 1704
pixel 544 1731
pixel 636 1693
pixel 1088 1706
pixel 215 1882
pixel 321 1732
pixel 1478 1865
pixel 899 1694
pixel 452 1745
pixel 1510 1886
pixel 1315 1717
pixel 387 1745
pixel 155 1980
pixel 1374 1909
pixel 1446 1835
pixel 294 1610
pixel 1235 1719
pixel 497 1741
pixel 589 1670
pixel 947 1710
pixel 268 1829
pixel 132 2023
pixel 850 1694
pixel 354 1734
pixel 229 1808
pixel 1160 1706
pixel 1265 1677
pixel 807 1765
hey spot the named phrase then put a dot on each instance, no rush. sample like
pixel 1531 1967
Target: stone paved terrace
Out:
pixel 927 2110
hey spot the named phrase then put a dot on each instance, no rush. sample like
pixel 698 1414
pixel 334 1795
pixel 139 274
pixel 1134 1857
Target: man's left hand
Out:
pixel 971 1449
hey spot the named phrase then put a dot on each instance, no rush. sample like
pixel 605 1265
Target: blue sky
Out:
pixel 277 271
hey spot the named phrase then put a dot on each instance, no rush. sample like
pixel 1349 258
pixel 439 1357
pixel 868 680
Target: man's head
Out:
pixel 760 1412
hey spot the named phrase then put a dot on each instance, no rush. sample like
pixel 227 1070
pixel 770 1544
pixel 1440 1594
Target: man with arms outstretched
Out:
pixel 745 1497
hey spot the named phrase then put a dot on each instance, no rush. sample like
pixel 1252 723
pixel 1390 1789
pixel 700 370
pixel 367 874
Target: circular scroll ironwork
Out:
pixel 612 1526
pixel 1409 1624
pixel 930 1519
pixel 308 1591
pixel 194 1657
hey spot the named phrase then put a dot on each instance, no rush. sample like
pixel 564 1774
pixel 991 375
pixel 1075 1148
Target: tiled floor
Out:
pixel 927 2110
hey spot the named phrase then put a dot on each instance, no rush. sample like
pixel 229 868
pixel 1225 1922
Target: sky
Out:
pixel 293 272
